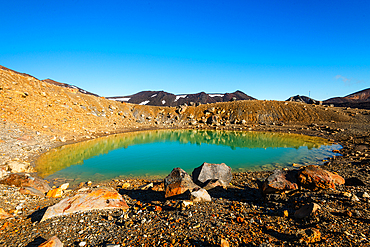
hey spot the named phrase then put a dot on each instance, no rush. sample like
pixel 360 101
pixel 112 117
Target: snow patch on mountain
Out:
pixel 216 95
pixel 145 102
pixel 180 96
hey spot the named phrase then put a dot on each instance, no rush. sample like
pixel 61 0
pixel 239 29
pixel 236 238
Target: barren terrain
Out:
pixel 36 116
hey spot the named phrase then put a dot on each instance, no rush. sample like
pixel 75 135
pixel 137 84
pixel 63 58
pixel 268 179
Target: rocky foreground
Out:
pixel 292 207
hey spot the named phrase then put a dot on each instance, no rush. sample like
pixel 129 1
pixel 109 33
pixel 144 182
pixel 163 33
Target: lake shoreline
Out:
pixel 241 199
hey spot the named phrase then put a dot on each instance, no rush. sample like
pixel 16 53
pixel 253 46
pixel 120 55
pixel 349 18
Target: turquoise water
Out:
pixel 156 153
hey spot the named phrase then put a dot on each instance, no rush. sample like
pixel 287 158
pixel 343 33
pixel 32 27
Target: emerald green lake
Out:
pixel 156 153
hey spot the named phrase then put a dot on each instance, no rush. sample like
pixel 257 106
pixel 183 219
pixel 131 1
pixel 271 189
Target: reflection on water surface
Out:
pixel 151 153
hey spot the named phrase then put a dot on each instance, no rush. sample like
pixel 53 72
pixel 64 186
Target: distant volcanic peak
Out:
pixel 303 99
pixel 360 95
pixel 357 97
pixel 161 98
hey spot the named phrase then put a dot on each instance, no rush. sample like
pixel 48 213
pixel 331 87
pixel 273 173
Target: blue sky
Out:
pixel 268 49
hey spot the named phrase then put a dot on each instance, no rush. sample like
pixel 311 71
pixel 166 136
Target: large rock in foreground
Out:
pixel 278 182
pixel 52 242
pixel 207 172
pixel 99 198
pixel 25 180
pixel 178 182
pixel 313 177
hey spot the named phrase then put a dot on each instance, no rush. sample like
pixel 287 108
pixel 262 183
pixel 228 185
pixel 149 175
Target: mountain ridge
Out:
pixel 162 98
pixel 359 99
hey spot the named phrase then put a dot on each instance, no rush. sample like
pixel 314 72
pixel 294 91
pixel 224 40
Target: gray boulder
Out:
pixel 212 172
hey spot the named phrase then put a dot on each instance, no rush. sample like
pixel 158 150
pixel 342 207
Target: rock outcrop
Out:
pixel 313 177
pixel 99 198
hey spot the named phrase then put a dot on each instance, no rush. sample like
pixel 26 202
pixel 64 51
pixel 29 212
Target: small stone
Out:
pixel 125 185
pixel 347 194
pixel 200 195
pixel 3 172
pixel 185 204
pixel 286 213
pixel 310 235
pixel 224 243
pixel 64 186
pixel 17 167
pixel 240 219
pixel 363 195
pixel 4 215
pixel 306 210
pixel 55 193
pixel 354 198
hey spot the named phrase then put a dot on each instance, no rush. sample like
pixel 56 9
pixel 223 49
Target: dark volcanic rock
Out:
pixel 278 182
pixel 211 172
pixel 178 182
pixel 315 178
pixel 306 210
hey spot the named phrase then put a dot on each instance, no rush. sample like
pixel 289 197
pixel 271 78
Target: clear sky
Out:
pixel 268 49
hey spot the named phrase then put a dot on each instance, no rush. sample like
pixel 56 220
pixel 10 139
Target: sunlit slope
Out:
pixel 54 110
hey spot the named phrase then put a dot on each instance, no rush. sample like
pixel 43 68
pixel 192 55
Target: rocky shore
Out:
pixel 36 117
pixel 238 214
